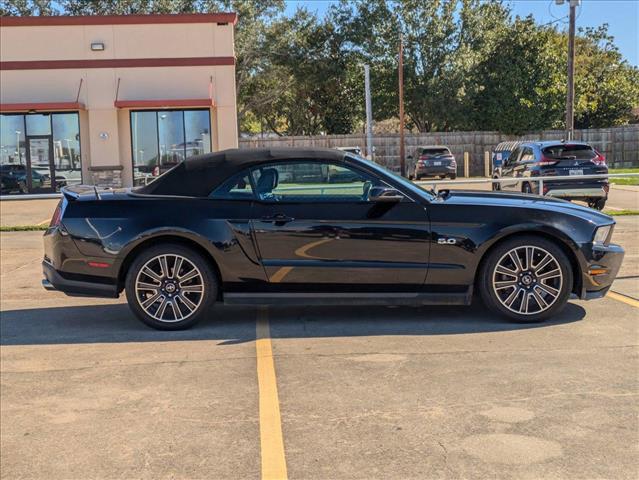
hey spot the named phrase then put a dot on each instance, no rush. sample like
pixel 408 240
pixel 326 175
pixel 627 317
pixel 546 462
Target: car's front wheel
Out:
pixel 526 278
pixel 597 203
pixel 170 287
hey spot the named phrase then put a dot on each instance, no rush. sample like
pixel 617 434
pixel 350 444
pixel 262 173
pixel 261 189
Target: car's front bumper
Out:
pixel 601 270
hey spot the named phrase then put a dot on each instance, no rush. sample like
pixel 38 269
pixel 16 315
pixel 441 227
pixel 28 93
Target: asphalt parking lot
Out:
pixel 435 392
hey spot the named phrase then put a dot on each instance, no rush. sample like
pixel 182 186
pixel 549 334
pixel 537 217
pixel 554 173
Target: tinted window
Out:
pixel 312 182
pixel 577 152
pixel 237 187
pixel 435 151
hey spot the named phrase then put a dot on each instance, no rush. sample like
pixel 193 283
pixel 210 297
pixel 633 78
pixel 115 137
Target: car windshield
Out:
pixel 398 178
pixel 435 151
pixel 578 152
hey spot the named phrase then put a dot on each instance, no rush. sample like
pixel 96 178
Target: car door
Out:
pixel 520 169
pixel 508 170
pixel 317 230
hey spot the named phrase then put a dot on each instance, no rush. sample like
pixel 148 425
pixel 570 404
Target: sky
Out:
pixel 622 16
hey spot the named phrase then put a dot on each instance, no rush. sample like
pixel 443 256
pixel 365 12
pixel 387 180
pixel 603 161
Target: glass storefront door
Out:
pixel 39 152
pixel 40 158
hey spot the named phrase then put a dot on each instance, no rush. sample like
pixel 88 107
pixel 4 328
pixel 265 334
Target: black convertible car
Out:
pixel 269 226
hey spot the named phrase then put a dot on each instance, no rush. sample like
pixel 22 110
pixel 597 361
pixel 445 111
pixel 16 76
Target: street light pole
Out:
pixel 369 113
pixel 570 95
pixel 402 162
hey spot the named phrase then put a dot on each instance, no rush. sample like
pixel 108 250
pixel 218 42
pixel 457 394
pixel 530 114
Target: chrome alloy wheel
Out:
pixel 169 288
pixel 527 280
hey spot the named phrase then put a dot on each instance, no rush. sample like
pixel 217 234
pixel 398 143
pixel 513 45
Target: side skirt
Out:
pixel 395 298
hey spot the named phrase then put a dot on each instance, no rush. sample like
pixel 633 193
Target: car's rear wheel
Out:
pixel 526 278
pixel 170 287
pixel 597 203
pixel 453 176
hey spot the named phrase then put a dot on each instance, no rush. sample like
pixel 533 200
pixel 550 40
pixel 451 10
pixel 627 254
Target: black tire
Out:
pixel 206 278
pixel 453 176
pixel 597 203
pixel 489 293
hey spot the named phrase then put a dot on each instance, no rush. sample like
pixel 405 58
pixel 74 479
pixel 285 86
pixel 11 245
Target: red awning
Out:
pixel 41 106
pixel 192 102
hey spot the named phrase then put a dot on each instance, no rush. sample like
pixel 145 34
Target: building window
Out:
pixel 39 152
pixel 162 139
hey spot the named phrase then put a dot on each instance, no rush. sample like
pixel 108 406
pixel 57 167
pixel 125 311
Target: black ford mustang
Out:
pixel 281 226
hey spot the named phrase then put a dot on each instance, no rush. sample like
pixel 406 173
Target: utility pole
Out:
pixel 402 161
pixel 369 113
pixel 570 95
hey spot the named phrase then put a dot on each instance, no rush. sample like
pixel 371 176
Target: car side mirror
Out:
pixel 384 194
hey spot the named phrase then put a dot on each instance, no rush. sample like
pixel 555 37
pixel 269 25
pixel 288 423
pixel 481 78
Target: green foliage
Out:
pixel 468 64
pixel 20 8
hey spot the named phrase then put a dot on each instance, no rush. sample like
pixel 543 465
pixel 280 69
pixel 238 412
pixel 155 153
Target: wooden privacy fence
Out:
pixel 620 145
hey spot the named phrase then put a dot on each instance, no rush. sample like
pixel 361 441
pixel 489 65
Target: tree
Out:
pixel 308 60
pixel 606 86
pixel 519 86
pixel 442 40
pixel 20 8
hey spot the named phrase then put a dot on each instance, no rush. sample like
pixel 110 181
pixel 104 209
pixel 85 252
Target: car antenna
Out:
pixel 97 195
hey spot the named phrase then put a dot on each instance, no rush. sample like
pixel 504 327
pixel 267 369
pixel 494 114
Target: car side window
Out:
pixel 512 158
pixel 238 187
pixel 312 181
pixel 527 155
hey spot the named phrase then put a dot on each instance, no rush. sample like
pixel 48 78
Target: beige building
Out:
pixel 112 100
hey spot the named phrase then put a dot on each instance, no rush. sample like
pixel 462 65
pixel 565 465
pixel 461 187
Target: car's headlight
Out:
pixel 602 233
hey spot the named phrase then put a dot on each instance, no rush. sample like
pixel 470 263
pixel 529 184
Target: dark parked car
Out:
pixel 226 227
pixel 9 183
pixel 434 161
pixel 553 159
pixel 14 179
pixel 355 150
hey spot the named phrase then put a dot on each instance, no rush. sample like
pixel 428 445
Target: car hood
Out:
pixel 517 200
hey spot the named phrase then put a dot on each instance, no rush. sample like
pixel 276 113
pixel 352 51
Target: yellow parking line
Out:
pixel 271 440
pixel 623 298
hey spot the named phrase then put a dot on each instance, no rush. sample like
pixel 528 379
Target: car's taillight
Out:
pixel 453 163
pixel 57 216
pixel 599 159
pixel 546 161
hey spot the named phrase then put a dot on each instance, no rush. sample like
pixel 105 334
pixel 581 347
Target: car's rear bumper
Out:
pixel 431 171
pixel 577 192
pixel 76 285
pixel 601 271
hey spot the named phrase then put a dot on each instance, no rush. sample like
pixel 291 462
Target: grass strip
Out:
pixel 624 181
pixel 23 228
pixel 621 213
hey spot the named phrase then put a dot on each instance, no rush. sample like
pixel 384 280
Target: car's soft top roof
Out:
pixel 198 176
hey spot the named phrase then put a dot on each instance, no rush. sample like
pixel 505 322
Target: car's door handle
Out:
pixel 277 219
